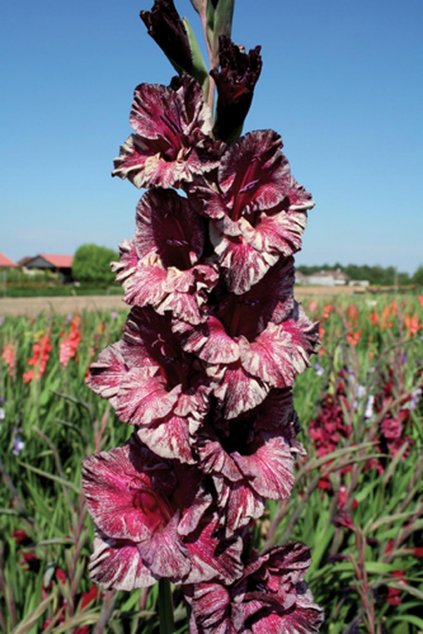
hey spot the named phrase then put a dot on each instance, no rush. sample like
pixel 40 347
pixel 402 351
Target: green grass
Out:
pixel 60 421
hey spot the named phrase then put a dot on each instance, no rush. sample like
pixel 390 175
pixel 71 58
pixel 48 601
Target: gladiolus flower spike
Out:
pixel 210 350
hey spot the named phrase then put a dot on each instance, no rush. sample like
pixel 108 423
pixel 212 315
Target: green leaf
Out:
pixel 51 476
pixel 200 71
pixel 223 18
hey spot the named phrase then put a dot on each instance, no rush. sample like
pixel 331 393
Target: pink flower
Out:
pixel 161 268
pixel 152 521
pixel 9 357
pixel 271 596
pixel 171 144
pixel 69 343
pixel 258 210
pixel 154 384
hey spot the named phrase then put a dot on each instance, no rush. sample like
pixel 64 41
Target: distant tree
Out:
pixel 418 276
pixel 91 264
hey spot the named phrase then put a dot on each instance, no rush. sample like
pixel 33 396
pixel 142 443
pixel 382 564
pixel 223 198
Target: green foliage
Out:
pixel 354 571
pixel 91 264
pixel 418 276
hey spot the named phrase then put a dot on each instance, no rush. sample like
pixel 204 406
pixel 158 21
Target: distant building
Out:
pixel 360 283
pixel 322 278
pixel 60 264
pixel 6 263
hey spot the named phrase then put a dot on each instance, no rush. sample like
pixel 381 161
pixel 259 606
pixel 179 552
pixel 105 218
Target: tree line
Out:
pixel 377 275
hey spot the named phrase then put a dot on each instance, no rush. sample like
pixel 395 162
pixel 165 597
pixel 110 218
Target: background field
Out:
pixel 357 503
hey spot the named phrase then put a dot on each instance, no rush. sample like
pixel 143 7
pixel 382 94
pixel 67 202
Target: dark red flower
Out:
pixel 242 371
pixel 153 384
pixel 250 458
pixel 271 596
pixel 167 30
pixel 235 81
pixel 258 211
pixel 171 141
pixel 152 522
pixel 161 267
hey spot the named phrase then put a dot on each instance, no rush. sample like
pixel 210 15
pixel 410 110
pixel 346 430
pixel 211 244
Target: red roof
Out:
pixel 58 261
pixel 5 261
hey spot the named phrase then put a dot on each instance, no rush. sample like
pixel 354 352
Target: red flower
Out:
pixel 41 353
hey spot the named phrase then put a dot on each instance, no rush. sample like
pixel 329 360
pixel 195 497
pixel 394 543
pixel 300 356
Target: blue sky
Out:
pixel 341 82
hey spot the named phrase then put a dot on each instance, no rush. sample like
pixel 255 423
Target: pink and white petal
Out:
pixel 143 398
pixel 275 356
pixel 165 555
pixel 239 391
pixel 169 437
pixel 269 469
pixel 108 479
pixel 117 565
pixel 280 233
pixel 151 101
pixel 193 513
pixel 107 373
pixel 211 343
pixel 211 558
pixel 243 506
pixel 242 264
pixel 146 286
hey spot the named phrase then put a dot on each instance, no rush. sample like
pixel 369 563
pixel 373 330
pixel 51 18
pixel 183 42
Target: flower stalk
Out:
pixel 210 350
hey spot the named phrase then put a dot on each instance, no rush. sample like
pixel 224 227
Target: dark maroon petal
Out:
pixel 168 225
pixel 117 564
pixel 167 30
pixel 271 299
pixel 239 72
pixel 212 558
pixel 211 603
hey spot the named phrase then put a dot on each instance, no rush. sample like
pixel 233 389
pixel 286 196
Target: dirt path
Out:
pixel 33 305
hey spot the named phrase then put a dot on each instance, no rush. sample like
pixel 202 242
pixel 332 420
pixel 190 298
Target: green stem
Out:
pixel 167 625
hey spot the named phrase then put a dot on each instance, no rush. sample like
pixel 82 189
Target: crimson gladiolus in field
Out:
pixel 210 350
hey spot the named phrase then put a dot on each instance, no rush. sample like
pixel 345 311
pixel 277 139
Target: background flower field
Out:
pixel 357 502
